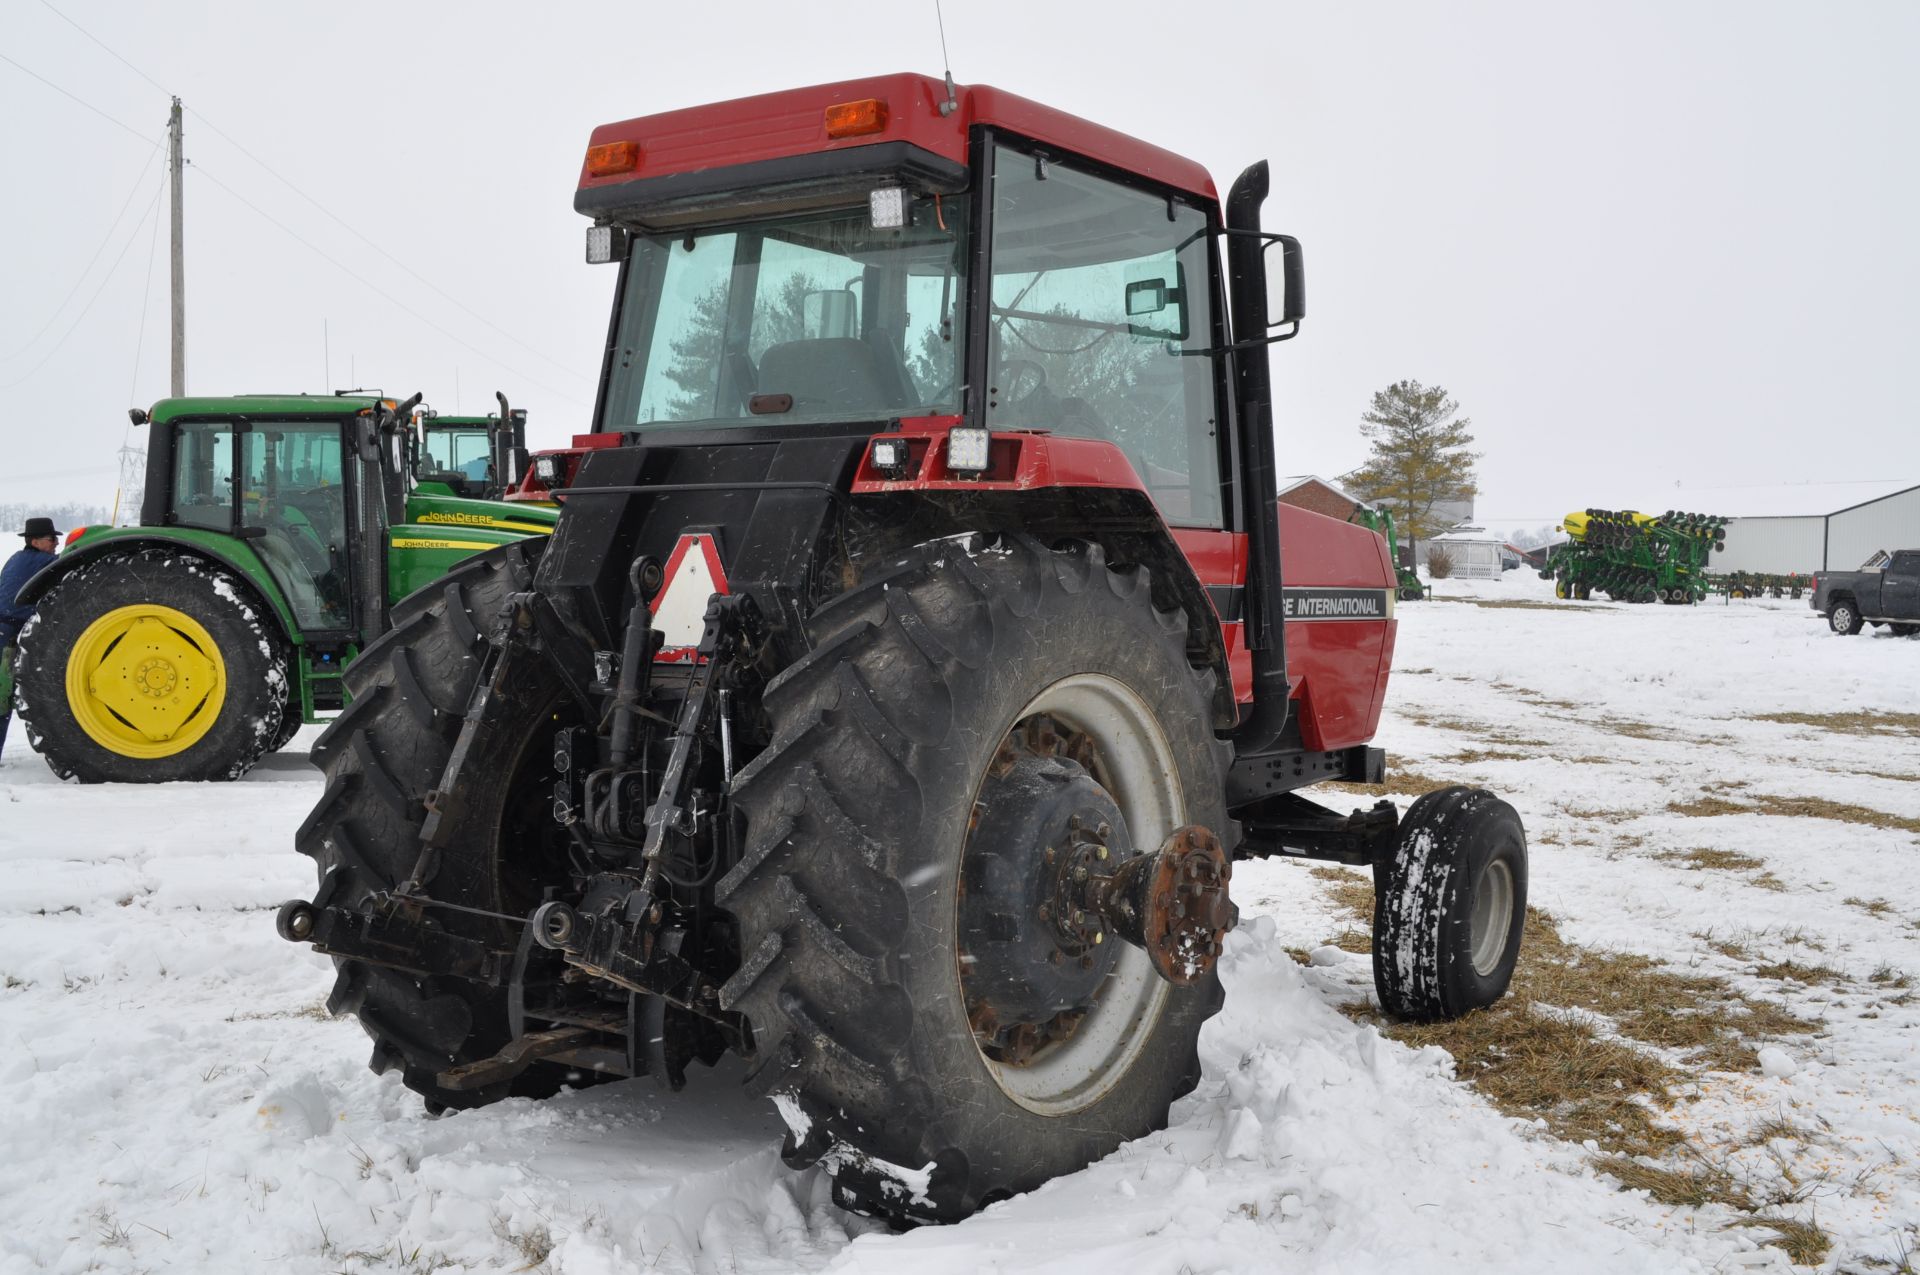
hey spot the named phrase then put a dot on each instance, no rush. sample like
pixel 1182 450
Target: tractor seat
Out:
pixel 831 374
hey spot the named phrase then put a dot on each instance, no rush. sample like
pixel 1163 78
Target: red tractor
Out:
pixel 889 707
pixel 549 473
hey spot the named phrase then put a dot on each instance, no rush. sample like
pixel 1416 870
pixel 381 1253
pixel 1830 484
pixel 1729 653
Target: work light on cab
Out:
pixel 967 450
pixel 890 456
pixel 887 207
pixel 605 244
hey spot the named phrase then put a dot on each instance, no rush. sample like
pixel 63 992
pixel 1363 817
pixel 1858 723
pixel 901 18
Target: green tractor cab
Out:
pixel 476 456
pixel 276 534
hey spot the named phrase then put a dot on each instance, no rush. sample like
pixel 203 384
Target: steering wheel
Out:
pixel 1020 381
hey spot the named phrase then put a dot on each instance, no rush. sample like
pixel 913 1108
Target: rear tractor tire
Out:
pixel 149 668
pixel 971 725
pixel 409 690
pixel 1449 907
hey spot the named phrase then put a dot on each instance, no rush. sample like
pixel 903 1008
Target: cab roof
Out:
pixel 261 405
pixel 780 125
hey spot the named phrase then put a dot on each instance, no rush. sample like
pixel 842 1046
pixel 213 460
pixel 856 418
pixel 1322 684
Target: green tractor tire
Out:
pixel 149 667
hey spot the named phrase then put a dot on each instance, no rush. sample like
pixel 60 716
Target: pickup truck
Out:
pixel 1889 596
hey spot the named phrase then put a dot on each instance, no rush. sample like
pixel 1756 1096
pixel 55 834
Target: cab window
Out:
pixel 203 475
pixel 293 494
pixel 1101 316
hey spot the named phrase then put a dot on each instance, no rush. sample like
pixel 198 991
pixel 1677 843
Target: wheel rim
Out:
pixel 1492 917
pixel 145 681
pixel 1136 765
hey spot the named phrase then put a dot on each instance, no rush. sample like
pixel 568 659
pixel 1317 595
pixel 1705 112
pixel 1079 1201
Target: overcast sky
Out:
pixel 1650 247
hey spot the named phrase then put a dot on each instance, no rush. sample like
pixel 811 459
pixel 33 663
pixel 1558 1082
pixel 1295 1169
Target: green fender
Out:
pixel 235 555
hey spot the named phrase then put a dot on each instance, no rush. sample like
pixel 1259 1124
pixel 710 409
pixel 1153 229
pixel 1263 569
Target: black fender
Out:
pixel 1122 521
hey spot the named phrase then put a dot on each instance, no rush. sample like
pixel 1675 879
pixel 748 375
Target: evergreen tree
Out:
pixel 1421 455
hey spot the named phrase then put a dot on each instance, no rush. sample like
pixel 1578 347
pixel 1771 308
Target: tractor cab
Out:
pixel 483 457
pixel 299 480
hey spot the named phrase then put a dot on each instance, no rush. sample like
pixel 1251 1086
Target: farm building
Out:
pixel 1800 529
pixel 1310 491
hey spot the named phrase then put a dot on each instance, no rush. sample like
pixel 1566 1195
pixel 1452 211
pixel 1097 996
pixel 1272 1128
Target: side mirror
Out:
pixel 1154 295
pixel 1286 281
pixel 1146 296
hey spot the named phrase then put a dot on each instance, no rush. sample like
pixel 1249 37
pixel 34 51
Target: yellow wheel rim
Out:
pixel 146 681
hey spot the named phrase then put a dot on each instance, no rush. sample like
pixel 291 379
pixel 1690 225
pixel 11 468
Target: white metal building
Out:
pixel 1803 528
pixel 1854 534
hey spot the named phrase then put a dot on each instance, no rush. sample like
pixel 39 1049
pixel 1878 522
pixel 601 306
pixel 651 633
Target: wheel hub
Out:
pixel 145 680
pixel 1034 954
pixel 155 678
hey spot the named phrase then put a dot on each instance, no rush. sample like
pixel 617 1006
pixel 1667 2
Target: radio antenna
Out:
pixel 951 105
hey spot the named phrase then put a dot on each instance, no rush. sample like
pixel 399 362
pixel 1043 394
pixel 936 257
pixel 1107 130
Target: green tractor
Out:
pixel 276 535
pixel 1379 520
pixel 478 456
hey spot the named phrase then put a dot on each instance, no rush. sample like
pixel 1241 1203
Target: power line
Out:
pixel 140 341
pixel 373 287
pixel 110 53
pixel 221 133
pixel 88 268
pixel 117 123
pixel 442 293
pixel 88 308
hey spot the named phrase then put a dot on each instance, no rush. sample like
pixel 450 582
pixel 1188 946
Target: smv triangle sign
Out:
pixel 693 576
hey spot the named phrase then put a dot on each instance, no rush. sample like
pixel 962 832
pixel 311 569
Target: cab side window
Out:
pixel 1101 313
pixel 203 476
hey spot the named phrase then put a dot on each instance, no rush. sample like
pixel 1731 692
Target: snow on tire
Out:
pixel 1449 906
pixel 861 864
pixel 88 672
pixel 381 756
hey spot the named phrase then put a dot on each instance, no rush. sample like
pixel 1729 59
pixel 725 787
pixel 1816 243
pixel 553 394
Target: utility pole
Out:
pixel 178 246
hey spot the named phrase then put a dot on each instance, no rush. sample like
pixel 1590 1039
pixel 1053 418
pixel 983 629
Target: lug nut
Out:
pixel 1100 852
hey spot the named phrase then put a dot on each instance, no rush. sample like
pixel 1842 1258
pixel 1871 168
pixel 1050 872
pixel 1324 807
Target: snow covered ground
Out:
pixel 175 1097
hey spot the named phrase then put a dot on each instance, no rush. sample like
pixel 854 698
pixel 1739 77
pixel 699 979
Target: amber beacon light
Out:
pixel 851 119
pixel 609 158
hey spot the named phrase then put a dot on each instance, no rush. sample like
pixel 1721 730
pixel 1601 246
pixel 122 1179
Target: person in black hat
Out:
pixel 42 539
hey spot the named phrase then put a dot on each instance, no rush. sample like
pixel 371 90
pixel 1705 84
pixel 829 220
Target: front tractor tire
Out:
pixel 973 725
pixel 151 667
pixel 1450 906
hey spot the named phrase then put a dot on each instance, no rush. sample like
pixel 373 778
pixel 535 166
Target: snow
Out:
pixel 177 1099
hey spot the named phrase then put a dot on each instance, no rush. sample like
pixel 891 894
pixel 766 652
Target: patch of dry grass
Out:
pixel 1633 729
pixel 1805 1243
pixel 1475 755
pixel 1705 858
pixel 1352 893
pixel 1795 972
pixel 1872 907
pixel 1849 723
pixel 1707 807
pixel 1596 1044
pixel 1406 782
